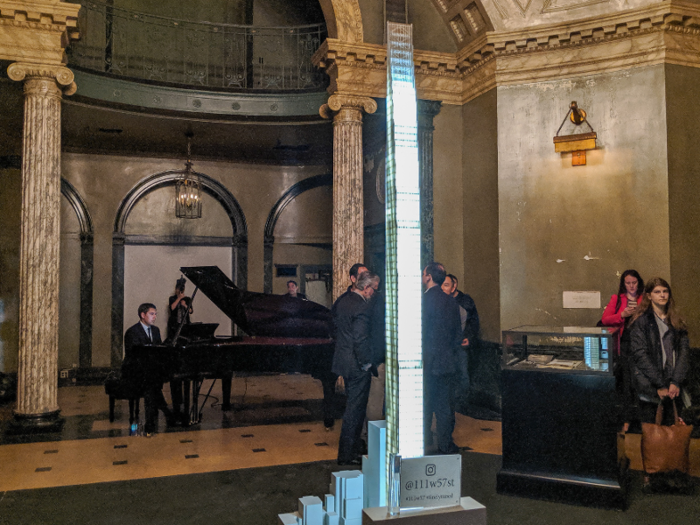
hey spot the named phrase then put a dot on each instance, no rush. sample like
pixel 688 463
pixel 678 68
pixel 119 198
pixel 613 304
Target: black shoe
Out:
pixel 354 462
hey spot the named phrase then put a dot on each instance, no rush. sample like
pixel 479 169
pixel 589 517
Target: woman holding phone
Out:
pixel 623 305
pixel 618 315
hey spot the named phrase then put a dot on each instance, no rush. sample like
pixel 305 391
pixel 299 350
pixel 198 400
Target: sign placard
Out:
pixel 431 481
pixel 581 300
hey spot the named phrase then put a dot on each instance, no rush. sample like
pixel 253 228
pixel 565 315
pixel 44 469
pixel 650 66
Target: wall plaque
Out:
pixel 581 299
pixel 431 481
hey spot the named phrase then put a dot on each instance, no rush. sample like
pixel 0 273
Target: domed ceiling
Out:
pixel 468 18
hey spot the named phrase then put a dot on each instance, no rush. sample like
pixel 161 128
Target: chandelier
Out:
pixel 188 189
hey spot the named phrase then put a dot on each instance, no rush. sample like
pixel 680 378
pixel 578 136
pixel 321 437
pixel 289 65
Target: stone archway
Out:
pixel 238 241
pixel 274 215
pixel 86 271
pixel 343 20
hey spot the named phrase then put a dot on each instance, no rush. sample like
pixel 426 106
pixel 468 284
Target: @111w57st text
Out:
pixel 420 484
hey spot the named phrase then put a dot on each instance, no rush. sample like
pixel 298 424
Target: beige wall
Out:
pixel 447 190
pixel 614 210
pixel 69 295
pixel 682 105
pixel 480 205
pixel 103 181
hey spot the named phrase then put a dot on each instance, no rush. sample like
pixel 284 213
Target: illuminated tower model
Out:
pixel 404 368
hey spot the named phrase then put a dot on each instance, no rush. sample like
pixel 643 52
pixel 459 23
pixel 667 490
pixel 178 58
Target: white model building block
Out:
pixel 331 518
pixel 346 484
pixel 289 519
pixel 343 521
pixel 352 509
pixel 311 510
pixel 330 503
pixel 353 485
pixel 374 465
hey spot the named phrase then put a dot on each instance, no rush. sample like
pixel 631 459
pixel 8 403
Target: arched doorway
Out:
pixel 298 238
pixel 150 245
pixel 76 273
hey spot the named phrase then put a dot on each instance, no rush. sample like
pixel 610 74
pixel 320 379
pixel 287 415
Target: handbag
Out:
pixel 665 448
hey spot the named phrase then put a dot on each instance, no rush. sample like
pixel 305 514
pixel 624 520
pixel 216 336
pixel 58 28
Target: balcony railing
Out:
pixel 197 54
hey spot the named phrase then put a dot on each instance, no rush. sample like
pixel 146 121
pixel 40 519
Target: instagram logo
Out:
pixel 430 470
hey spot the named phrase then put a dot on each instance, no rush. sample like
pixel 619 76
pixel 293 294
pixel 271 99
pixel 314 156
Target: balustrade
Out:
pixel 207 55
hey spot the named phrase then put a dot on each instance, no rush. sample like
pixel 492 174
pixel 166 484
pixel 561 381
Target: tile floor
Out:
pixel 276 420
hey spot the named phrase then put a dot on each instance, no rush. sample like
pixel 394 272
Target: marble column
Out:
pixel 37 377
pixel 427 110
pixel 348 201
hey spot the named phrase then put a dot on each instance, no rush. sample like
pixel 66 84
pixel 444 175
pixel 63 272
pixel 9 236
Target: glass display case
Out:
pixel 557 349
pixel 560 416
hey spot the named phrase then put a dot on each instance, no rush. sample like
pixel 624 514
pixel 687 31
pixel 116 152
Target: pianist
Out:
pixel 145 333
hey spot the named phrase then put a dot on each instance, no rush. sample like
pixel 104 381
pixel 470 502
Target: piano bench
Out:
pixel 116 388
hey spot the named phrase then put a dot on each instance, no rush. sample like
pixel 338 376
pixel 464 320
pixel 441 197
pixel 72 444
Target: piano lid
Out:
pixel 261 314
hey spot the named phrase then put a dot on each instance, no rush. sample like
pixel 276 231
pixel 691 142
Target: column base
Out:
pixel 36 423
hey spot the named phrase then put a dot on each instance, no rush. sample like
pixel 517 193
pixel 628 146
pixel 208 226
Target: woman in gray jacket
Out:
pixel 659 349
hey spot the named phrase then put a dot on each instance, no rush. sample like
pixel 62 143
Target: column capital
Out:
pixel 63 76
pixel 429 108
pixel 341 101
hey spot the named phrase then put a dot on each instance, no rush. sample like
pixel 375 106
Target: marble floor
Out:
pixel 276 420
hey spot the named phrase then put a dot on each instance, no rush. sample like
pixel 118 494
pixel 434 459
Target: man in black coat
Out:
pixel 442 338
pixel 353 360
pixel 145 333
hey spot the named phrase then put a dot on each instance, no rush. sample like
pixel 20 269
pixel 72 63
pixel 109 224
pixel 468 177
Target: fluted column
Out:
pixel 37 377
pixel 348 203
pixel 427 110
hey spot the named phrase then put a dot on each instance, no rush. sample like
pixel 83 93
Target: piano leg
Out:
pixel 226 381
pixel 196 412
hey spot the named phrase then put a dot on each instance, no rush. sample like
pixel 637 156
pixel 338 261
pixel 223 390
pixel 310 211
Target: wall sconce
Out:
pixel 576 144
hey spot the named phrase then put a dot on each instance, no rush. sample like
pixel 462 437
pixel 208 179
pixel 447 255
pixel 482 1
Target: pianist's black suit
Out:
pixel 152 386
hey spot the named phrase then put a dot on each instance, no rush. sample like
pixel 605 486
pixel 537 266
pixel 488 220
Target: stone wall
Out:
pixel 480 205
pixel 576 228
pixel 682 104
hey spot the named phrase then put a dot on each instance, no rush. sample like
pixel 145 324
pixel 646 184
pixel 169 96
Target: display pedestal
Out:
pixel 468 512
pixel 560 438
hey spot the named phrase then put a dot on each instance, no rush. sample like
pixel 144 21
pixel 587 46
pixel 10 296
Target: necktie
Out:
pixel 150 338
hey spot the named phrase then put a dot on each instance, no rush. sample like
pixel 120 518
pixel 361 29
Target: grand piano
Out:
pixel 282 334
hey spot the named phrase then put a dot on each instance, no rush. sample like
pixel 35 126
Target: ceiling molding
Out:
pixel 663 33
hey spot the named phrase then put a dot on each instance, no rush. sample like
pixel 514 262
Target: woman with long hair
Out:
pixel 623 305
pixel 660 354
pixel 659 349
pixel 618 316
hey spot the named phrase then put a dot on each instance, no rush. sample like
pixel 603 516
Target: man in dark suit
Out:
pixel 145 333
pixel 442 337
pixel 355 270
pixel 352 361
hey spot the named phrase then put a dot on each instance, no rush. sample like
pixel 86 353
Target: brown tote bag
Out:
pixel 665 448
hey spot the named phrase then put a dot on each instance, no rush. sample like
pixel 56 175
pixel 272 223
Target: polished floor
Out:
pixel 93 450
pixel 274 433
